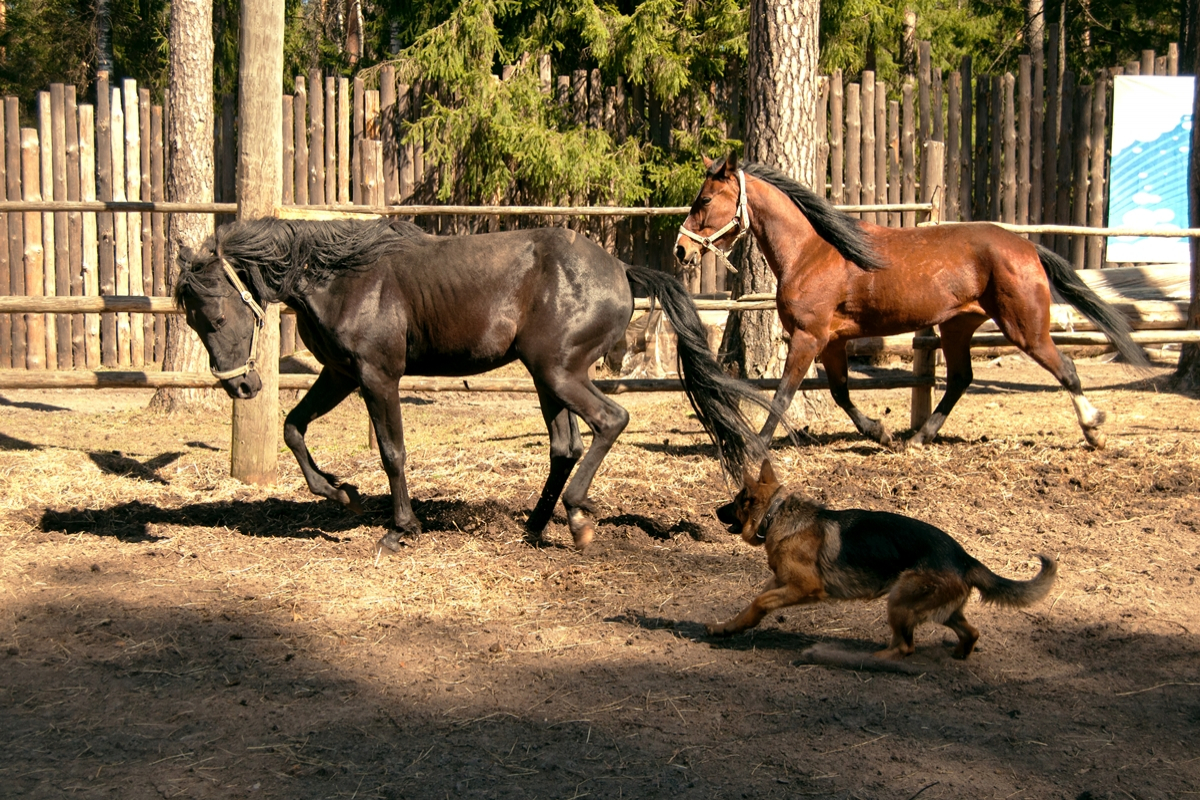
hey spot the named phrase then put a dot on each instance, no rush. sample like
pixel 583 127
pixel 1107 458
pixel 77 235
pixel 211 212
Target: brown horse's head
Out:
pixel 718 216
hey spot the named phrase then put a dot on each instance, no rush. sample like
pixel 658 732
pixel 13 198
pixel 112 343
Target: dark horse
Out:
pixel 375 302
pixel 840 279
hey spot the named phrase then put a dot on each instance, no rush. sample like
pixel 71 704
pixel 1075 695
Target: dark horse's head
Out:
pixel 227 317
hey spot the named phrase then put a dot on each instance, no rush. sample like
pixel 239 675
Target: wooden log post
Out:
pixel 1037 122
pixel 288 131
pixel 1009 182
pixel 106 221
pixel 953 201
pixel 908 156
pixel 143 100
pixel 995 195
pixel 1097 184
pixel 979 184
pixel 316 139
pixel 255 445
pixel 966 178
pixel 91 247
pixel 343 141
pixel 34 264
pixel 1062 213
pixel 120 222
pixel 893 187
pixel 133 220
pixel 358 106
pixel 1079 189
pixel 837 115
pixel 158 227
pixel 46 174
pixel 331 162
pixel 16 225
pixel 300 142
pixel 62 241
pixel 5 272
pixel 1051 126
pixel 822 184
pixel 854 145
pixel 74 224
pixel 868 142
pixel 389 112
pixel 924 361
pixel 881 148
pixel 1024 127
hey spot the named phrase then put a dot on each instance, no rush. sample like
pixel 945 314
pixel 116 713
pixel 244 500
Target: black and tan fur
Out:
pixel 818 554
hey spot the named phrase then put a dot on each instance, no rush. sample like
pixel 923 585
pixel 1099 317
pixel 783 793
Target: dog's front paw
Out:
pixel 718 629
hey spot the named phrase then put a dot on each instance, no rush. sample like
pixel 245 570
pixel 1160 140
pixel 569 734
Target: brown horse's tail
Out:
pixel 715 395
pixel 1007 592
pixel 1114 325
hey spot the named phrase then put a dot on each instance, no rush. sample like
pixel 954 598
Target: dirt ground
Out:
pixel 167 631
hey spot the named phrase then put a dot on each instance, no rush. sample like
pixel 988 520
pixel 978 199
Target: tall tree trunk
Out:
pixel 781 131
pixel 1187 375
pixel 1035 26
pixel 104 53
pixel 908 43
pixel 189 179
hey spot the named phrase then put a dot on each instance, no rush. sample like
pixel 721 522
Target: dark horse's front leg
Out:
pixel 382 393
pixel 331 388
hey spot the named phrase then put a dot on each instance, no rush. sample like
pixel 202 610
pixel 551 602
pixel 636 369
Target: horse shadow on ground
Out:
pixel 655 529
pixel 12 443
pixel 30 406
pixel 117 463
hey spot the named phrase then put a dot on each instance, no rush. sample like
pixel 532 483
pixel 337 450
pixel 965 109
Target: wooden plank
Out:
pixel 881 149
pixel 1173 58
pixel 158 228
pixel 1097 186
pixel 46 176
pixel 1037 125
pixel 16 225
pixel 1079 188
pixel 954 148
pixel 331 174
pixel 6 331
pixel 966 178
pixel 1147 62
pixel 357 133
pixel 893 187
pixel 1051 129
pixel 289 149
pixel 316 138
pixel 74 225
pixel 1024 128
pixel 404 154
pixel 822 184
pixel 1160 65
pixel 995 164
pixel 1065 137
pixel 64 356
pixel 300 141
pixel 31 180
pixel 937 107
pixel 837 113
pixel 854 144
pixel 133 191
pixel 1009 182
pixel 579 97
pixel 924 99
pixel 343 141
pixel 979 189
pixel 908 184
pixel 90 249
pixel 120 223
pixel 867 161
pixel 106 222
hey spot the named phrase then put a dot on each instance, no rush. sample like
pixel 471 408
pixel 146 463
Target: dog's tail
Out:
pixel 1006 592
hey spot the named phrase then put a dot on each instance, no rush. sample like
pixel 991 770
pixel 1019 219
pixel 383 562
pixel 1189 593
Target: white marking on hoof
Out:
pixel 1088 416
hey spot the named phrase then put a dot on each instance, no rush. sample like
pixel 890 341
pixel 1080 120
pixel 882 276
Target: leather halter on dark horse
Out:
pixel 375 302
pixel 841 279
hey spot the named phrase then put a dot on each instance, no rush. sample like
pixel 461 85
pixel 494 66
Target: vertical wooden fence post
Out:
pixel 255 446
pixel 90 266
pixel 924 361
pixel 837 115
pixel 854 145
pixel 158 228
pixel 893 189
pixel 908 185
pixel 62 240
pixel 120 220
pixel 16 227
pixel 300 140
pixel 966 178
pixel 5 273
pixel 31 181
pixel 868 142
pixel 953 200
pixel 46 176
pixel 74 226
pixel 1096 186
pixel 1024 128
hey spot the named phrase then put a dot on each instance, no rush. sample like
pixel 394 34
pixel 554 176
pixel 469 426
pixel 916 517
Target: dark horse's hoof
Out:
pixel 349 497
pixel 392 541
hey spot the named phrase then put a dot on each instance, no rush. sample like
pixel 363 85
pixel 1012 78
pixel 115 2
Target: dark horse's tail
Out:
pixel 1114 325
pixel 713 393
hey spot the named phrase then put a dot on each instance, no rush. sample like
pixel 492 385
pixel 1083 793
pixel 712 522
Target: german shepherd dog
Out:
pixel 818 554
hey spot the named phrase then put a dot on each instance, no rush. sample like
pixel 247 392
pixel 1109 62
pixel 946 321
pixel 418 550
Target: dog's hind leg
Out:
pixel 968 635
pixel 917 597
pixel 789 594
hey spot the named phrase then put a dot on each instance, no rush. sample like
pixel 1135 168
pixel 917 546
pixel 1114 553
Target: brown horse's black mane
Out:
pixel 841 230
pixel 277 256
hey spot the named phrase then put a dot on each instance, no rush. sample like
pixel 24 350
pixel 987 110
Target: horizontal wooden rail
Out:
pixel 161 207
pixel 552 211
pixel 1067 337
pixel 82 379
pixel 1082 230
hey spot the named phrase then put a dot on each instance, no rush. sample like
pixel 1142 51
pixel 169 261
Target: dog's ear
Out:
pixel 767 473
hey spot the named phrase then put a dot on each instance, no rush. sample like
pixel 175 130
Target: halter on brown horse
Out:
pixel 841 279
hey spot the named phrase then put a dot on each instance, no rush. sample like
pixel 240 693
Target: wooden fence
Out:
pixel 1030 148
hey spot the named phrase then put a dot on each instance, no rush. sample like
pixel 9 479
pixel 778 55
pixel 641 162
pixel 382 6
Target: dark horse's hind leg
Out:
pixel 956 348
pixel 329 389
pixel 834 359
pixel 606 419
pixel 566 446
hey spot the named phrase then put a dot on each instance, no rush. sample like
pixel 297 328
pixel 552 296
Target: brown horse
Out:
pixel 841 279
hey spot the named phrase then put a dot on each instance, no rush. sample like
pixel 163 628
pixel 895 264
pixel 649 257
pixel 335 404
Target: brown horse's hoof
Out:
pixel 348 496
pixel 582 529
pixel 1095 438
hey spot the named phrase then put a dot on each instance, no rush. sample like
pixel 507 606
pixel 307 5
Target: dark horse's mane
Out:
pixel 279 256
pixel 841 230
